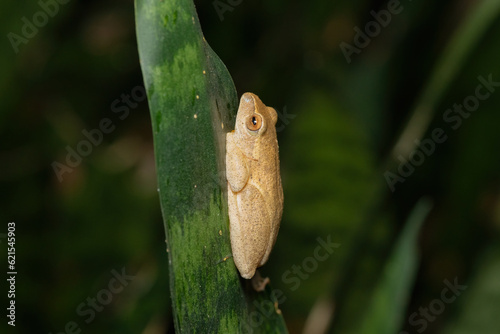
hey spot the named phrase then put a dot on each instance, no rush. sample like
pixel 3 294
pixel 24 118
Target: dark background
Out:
pixel 73 235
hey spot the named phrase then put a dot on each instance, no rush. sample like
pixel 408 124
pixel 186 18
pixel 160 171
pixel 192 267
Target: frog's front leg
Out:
pixel 237 169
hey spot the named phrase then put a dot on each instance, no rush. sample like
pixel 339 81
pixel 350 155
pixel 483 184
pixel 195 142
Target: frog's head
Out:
pixel 254 117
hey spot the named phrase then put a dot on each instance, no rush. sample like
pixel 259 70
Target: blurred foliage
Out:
pixel 104 216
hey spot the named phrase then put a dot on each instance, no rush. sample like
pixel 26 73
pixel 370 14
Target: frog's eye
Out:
pixel 254 122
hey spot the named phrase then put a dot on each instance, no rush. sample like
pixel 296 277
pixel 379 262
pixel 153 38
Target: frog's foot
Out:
pixel 259 283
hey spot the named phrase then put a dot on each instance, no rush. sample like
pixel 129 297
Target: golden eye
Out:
pixel 254 122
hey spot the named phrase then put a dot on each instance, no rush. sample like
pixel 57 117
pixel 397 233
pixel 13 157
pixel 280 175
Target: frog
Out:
pixel 255 192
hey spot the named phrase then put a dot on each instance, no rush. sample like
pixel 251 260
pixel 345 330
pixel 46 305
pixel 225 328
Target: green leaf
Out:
pixel 481 300
pixel 192 102
pixel 389 300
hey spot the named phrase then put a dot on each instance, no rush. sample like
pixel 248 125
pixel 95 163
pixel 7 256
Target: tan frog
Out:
pixel 255 194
